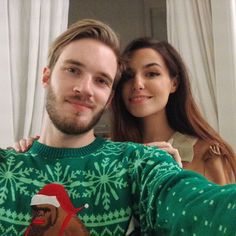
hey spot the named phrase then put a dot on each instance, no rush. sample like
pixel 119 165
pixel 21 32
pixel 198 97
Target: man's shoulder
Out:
pixel 137 147
pixel 4 153
pixel 124 144
pixel 6 150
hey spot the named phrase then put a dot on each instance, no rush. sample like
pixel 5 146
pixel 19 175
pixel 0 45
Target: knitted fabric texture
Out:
pixel 127 187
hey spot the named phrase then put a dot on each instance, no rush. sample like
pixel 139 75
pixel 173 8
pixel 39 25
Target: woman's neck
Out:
pixel 156 129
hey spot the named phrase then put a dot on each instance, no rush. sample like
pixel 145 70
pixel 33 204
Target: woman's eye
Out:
pixel 152 74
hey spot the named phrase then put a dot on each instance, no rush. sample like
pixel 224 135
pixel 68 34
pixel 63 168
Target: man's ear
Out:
pixel 174 84
pixel 46 76
pixel 109 99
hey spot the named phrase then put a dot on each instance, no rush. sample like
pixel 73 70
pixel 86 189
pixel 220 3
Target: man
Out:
pixel 130 189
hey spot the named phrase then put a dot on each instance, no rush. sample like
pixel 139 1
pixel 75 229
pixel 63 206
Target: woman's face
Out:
pixel 147 91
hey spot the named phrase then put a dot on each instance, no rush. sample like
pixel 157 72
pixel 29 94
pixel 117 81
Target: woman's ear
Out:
pixel 174 85
pixel 46 76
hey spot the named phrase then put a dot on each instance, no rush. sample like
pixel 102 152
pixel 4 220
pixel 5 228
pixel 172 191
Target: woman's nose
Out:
pixel 138 83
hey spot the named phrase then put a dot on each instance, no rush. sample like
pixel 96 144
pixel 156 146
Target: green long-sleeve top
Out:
pixel 126 186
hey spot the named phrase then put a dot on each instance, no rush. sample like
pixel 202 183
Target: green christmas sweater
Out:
pixel 128 188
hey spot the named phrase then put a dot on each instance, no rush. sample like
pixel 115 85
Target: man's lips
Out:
pixel 80 104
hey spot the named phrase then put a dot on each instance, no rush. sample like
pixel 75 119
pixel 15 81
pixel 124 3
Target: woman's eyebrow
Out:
pixel 151 64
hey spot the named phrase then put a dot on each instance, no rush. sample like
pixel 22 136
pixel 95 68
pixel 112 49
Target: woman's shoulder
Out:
pixel 209 149
pixel 197 147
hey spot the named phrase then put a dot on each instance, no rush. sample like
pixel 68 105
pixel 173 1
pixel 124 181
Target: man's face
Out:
pixel 80 85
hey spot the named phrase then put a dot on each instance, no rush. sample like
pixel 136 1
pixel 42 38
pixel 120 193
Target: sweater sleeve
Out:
pixel 177 202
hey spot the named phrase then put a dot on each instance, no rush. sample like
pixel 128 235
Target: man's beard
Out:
pixel 67 125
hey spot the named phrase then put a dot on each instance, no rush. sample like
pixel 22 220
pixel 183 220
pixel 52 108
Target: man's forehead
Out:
pixel 91 54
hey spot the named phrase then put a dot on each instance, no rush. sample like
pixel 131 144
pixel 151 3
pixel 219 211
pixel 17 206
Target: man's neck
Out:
pixel 67 141
pixel 53 137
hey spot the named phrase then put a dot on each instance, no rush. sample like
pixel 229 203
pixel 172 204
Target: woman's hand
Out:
pixel 24 144
pixel 168 148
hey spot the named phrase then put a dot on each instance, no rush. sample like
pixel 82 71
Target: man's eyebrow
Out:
pixel 152 64
pixel 73 62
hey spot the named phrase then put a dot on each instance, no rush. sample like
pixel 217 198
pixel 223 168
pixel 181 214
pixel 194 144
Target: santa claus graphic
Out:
pixel 54 215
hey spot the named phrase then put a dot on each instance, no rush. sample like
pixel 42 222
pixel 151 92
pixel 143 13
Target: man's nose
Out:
pixel 84 86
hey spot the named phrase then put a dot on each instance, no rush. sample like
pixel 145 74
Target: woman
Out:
pixel 153 103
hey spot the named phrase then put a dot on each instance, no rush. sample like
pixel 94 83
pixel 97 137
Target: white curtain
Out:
pixel 201 31
pixel 27 28
pixel 224 34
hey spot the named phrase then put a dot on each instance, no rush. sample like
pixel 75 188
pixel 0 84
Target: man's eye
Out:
pixel 103 81
pixel 72 70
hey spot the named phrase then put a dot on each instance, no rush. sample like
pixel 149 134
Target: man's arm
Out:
pixel 179 202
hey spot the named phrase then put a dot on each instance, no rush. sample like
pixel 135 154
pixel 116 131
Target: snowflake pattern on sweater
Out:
pixel 120 182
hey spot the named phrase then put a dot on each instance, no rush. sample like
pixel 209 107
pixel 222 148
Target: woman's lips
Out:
pixel 139 99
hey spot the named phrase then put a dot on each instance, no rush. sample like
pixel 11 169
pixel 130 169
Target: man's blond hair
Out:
pixel 87 28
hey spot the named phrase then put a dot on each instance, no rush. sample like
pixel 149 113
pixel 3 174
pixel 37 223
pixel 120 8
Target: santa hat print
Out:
pixel 56 195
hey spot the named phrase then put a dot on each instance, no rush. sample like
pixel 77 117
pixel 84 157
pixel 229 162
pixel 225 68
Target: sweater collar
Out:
pixel 53 152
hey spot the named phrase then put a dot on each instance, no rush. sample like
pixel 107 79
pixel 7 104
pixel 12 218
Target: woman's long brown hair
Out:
pixel 182 112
